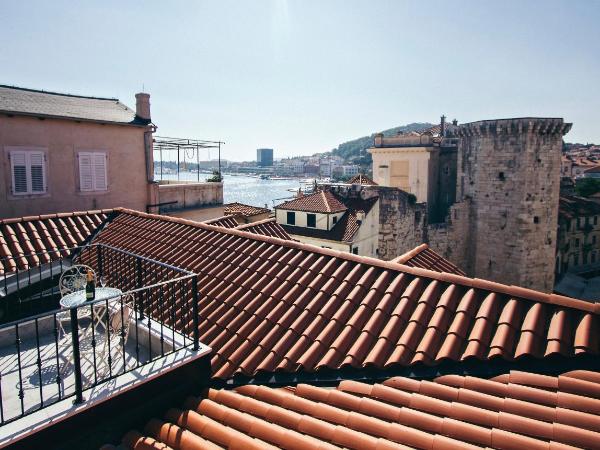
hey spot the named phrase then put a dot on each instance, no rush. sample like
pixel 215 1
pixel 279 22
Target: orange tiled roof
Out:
pixel 572 206
pixel 318 202
pixel 267 227
pixel 425 258
pixel 362 179
pixel 271 305
pixel 518 410
pixel 244 210
pixel 223 221
pixel 46 235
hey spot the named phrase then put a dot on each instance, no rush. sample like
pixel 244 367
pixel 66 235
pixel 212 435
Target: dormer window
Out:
pixel 311 220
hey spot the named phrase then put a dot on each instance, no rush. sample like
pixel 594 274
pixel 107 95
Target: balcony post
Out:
pixel 140 304
pixel 195 311
pixel 99 257
pixel 76 357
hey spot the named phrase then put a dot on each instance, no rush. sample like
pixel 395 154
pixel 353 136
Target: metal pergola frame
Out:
pixel 164 143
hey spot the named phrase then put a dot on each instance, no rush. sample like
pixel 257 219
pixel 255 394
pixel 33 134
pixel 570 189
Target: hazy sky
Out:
pixel 304 76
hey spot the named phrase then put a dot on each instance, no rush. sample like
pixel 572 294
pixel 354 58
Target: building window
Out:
pixel 579 222
pixel 595 220
pixel 311 220
pixel 28 169
pixel 355 250
pixel 576 260
pixel 536 219
pixel 334 220
pixel 577 242
pixel 593 239
pixel 92 171
pixel 291 218
pixel 593 257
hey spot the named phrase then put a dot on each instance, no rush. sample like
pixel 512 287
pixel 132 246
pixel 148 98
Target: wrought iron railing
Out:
pixel 60 353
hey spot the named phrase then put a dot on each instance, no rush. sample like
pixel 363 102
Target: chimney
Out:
pixel 300 193
pixel 455 122
pixel 443 126
pixel 142 105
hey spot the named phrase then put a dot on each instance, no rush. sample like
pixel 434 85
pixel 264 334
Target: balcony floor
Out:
pixel 31 379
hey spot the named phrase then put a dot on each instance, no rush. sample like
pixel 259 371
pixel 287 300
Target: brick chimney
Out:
pixel 142 105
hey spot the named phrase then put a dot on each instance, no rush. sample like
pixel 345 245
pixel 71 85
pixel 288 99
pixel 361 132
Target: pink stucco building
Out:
pixel 61 152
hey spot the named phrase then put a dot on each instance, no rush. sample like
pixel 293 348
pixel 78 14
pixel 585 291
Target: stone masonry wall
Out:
pixel 509 170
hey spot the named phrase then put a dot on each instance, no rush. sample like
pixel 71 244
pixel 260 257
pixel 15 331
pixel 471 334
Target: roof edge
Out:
pixel 62 94
pixel 410 254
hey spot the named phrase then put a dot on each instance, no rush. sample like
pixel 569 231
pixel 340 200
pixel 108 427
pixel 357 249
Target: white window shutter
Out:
pixel 18 163
pixel 38 172
pixel 86 173
pixel 100 181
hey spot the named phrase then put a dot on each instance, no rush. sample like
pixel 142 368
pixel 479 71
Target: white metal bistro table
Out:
pixel 78 298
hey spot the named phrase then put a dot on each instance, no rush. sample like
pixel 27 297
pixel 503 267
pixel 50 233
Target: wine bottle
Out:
pixel 90 287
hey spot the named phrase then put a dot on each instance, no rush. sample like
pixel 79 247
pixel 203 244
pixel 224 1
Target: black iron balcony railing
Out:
pixel 59 353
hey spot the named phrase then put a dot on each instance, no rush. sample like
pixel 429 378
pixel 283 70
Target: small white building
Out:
pixel 328 221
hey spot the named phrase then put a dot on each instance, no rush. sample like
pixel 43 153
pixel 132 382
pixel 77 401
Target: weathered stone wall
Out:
pixel 510 172
pixel 401 222
pixel 503 225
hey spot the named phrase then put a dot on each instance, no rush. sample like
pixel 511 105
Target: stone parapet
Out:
pixel 513 127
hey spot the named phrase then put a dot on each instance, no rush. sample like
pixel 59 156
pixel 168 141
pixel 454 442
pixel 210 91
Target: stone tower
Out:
pixel 509 175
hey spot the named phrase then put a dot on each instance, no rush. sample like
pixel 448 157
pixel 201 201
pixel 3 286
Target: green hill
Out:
pixel 355 150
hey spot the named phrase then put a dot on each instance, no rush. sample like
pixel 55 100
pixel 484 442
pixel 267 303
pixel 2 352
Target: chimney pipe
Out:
pixel 443 126
pixel 142 105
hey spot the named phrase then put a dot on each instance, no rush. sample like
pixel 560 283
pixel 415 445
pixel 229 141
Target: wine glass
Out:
pixel 102 280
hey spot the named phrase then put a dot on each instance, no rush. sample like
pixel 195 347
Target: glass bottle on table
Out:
pixel 90 287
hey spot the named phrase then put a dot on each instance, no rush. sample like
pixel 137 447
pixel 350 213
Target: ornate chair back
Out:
pixel 74 279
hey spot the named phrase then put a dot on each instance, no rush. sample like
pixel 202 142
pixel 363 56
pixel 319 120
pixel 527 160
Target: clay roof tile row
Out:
pixel 269 305
pixel 425 258
pixel 30 241
pixel 322 201
pixel 523 410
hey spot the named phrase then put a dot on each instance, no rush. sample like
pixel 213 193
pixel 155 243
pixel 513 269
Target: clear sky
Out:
pixel 303 76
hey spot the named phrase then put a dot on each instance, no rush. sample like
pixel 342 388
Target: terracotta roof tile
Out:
pixel 425 258
pixel 269 304
pixel 449 412
pixel 227 221
pixel 48 235
pixel 244 210
pixel 322 201
pixel 267 227
pixel 361 179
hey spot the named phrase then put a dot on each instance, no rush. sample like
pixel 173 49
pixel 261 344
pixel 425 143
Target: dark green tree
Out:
pixel 587 186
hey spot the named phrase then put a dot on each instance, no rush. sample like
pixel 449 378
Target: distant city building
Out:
pixel 264 157
pixel 578 241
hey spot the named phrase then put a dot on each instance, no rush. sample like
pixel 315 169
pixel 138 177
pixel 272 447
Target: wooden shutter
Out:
pixel 100 181
pixel 86 174
pixel 18 163
pixel 399 175
pixel 37 172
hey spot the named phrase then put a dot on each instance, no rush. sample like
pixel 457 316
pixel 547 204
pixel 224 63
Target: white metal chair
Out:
pixel 71 280
pixel 74 279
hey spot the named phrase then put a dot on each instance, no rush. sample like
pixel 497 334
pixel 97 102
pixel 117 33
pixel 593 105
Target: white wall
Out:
pixel 323 221
pixel 367 236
